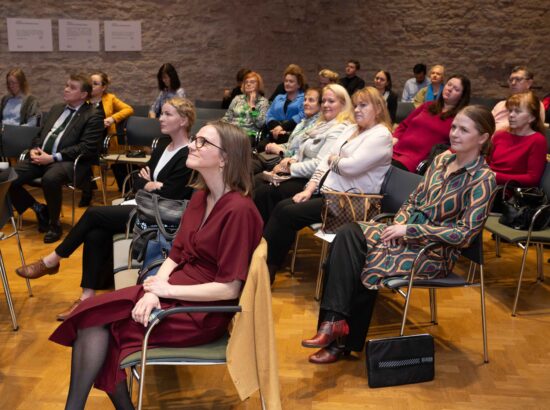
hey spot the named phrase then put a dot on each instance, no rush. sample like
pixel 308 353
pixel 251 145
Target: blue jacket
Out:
pixel 294 111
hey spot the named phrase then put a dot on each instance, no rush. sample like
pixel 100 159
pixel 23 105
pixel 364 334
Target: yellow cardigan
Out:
pixel 115 108
pixel 251 353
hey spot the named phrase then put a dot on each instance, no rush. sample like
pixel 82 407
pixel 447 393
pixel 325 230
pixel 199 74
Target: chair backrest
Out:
pixel 6 178
pixel 474 252
pixel 16 139
pixel 403 110
pixel 199 123
pixel 216 104
pixel 547 135
pixel 141 110
pixel 485 101
pixel 209 113
pixel 545 180
pixel 142 131
pixel 397 186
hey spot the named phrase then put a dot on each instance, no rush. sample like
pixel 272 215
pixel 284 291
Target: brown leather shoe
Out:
pixel 64 315
pixel 36 270
pixel 327 355
pixel 328 332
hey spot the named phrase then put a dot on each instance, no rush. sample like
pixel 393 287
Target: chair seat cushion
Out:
pixel 452 280
pixel 214 351
pixel 514 235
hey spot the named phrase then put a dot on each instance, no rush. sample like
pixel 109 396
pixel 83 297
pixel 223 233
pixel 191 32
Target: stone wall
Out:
pixel 208 41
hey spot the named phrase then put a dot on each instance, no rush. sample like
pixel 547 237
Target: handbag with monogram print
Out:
pixel 340 208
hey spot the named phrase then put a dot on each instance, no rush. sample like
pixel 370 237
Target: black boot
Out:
pixel 54 233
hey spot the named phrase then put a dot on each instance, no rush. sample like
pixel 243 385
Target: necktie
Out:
pixel 50 141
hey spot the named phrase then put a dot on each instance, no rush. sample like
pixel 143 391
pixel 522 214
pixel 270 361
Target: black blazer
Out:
pixel 83 135
pixel 174 176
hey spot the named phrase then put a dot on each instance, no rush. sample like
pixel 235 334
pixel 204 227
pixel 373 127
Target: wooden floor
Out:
pixel 34 373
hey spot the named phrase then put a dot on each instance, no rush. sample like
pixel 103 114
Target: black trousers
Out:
pixel 288 218
pixel 54 176
pixel 267 196
pixel 343 291
pixel 95 230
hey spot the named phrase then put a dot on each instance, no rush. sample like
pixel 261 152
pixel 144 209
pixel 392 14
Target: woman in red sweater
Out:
pixel 519 153
pixel 429 124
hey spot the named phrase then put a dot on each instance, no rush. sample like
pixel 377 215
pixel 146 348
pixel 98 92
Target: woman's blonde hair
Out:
pixel 185 109
pixel 347 110
pixel 331 75
pixel 237 172
pixel 372 96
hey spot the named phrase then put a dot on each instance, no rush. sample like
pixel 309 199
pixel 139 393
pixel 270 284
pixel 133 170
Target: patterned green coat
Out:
pixel 449 210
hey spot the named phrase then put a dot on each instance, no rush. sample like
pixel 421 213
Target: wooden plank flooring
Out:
pixel 34 373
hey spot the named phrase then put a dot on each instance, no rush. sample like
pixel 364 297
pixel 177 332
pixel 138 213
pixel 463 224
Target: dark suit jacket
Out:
pixel 82 136
pixel 174 175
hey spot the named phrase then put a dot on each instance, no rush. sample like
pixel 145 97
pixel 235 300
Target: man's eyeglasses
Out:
pixel 513 80
pixel 201 141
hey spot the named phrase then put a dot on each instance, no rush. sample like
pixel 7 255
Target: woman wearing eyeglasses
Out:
pixel 520 81
pixel 208 264
pixel 166 174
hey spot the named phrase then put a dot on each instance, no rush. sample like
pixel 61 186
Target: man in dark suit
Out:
pixel 69 130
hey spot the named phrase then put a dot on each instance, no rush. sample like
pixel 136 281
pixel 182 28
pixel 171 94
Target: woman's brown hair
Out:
pixel 483 121
pixel 237 172
pixel 531 102
pixel 296 71
pixel 21 79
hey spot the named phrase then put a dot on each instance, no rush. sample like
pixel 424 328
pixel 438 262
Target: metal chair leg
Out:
pixel 7 292
pixel 103 185
pixel 483 315
pixel 433 306
pixel 21 256
pixel 523 260
pixel 293 261
pixel 321 272
pixel 74 206
pixel 540 262
pixel 497 243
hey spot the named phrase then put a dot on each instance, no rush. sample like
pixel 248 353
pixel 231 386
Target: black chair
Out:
pixel 474 253
pixel 216 104
pixel 397 186
pixel 485 101
pixel 199 123
pixel 524 239
pixel 403 110
pixel 547 135
pixel 141 110
pixel 209 114
pixel 16 139
pixel 6 214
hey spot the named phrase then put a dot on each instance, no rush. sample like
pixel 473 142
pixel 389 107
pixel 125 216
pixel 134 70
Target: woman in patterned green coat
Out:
pixel 449 206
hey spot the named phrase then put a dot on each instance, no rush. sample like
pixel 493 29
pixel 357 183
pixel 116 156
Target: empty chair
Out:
pixel 216 104
pixel 209 113
pixel 16 139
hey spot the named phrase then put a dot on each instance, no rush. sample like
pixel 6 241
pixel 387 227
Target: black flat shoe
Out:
pixel 42 217
pixel 54 233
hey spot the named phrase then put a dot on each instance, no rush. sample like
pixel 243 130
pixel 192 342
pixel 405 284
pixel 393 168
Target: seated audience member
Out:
pixel 415 84
pixel 166 174
pixel 249 109
pixel 287 109
pixel 520 81
pixel 228 95
pixel 327 77
pixel 351 82
pixel 70 129
pixel 363 254
pixel 336 115
pixel 429 124
pixel 19 107
pixel 312 106
pixel 382 82
pixel 519 153
pixel 169 86
pixel 208 264
pixel 434 89
pixel 280 89
pixel 357 161
pixel 114 112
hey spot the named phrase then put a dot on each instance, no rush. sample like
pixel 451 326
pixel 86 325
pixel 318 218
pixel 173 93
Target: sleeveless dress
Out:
pixel 219 251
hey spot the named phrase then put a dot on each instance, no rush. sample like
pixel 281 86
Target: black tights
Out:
pixel 89 352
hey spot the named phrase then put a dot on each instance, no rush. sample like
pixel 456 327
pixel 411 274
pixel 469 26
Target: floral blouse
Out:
pixel 240 114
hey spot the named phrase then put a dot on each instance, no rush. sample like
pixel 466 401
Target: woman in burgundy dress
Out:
pixel 207 265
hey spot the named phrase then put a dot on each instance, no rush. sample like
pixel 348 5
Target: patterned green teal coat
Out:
pixel 449 210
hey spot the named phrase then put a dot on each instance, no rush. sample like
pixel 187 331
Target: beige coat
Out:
pixel 251 353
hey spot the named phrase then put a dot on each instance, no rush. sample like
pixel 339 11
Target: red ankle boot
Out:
pixel 328 332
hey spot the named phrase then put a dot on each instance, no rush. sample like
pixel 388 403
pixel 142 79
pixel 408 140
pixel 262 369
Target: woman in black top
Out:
pixel 165 174
pixel 382 82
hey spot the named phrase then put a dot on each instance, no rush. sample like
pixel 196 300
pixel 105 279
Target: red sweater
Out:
pixel 417 134
pixel 518 158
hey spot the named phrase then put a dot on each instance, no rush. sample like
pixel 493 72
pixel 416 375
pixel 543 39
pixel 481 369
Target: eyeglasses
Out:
pixel 513 80
pixel 201 141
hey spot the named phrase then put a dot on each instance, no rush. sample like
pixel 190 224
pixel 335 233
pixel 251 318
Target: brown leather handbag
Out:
pixel 340 208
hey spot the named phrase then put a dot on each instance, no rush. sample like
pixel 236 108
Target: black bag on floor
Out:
pixel 400 360
pixel 521 205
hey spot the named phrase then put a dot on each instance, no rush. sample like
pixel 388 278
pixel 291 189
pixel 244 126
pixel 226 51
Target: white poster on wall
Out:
pixel 29 34
pixel 122 35
pixel 78 35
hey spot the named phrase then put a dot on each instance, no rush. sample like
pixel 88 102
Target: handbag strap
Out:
pixel 160 223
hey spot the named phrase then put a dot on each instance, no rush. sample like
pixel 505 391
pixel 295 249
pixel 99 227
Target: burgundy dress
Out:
pixel 220 251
